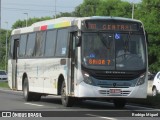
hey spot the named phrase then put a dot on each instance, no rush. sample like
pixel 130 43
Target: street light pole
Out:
pixel 6 46
pixel 26 19
pixel 132 10
pixel 0 27
pixel 55 9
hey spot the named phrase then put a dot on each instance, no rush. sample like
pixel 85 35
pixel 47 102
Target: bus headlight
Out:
pixel 87 78
pixel 141 80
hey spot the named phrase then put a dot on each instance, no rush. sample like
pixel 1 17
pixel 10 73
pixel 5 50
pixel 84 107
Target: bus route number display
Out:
pixel 107 25
pixel 99 62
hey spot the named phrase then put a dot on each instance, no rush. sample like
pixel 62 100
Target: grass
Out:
pixel 4 84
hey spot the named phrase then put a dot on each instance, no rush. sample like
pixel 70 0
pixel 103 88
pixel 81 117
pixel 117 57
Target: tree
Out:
pixel 22 23
pixel 149 13
pixel 104 8
pixel 3 47
pixel 87 8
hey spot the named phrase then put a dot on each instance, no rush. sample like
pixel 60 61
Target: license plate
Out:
pixel 115 91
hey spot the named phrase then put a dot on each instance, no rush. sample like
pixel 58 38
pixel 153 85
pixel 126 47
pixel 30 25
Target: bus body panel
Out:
pixel 44 73
pixel 88 91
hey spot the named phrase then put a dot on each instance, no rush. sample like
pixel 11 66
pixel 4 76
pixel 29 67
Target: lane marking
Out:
pixel 108 118
pixel 34 104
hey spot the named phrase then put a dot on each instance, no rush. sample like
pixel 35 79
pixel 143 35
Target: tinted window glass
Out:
pixel 50 43
pixel 61 47
pixel 40 43
pixel 30 45
pixel 11 47
pixel 22 46
pixel 158 76
pixel 13 38
pixel 2 73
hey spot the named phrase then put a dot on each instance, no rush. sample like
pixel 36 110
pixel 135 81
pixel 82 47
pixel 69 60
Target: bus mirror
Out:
pixel 78 41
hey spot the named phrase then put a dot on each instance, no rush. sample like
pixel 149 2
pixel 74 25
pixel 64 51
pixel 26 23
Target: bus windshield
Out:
pixel 113 51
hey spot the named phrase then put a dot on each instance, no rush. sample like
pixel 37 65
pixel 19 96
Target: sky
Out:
pixel 13 10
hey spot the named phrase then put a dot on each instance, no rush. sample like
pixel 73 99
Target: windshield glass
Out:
pixel 2 73
pixel 113 51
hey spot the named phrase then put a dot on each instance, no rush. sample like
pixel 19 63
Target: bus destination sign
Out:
pixel 109 25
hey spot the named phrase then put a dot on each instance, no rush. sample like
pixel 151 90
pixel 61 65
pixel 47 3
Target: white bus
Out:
pixel 80 58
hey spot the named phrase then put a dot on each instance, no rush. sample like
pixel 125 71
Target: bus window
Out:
pixel 50 43
pixel 30 45
pixel 62 39
pixel 12 45
pixel 40 43
pixel 22 47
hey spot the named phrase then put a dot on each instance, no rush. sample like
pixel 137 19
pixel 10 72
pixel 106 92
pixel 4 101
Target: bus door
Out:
pixel 14 63
pixel 73 63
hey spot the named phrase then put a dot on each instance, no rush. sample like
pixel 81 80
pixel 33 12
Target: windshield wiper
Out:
pixel 105 39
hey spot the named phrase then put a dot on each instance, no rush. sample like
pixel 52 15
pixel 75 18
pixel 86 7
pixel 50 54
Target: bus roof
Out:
pixel 63 22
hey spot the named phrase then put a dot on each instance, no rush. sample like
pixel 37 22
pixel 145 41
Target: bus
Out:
pixel 80 58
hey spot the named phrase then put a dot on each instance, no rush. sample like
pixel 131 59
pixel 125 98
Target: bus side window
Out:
pixel 50 43
pixel 22 46
pixel 62 40
pixel 40 43
pixel 11 47
pixel 30 45
pixel 15 48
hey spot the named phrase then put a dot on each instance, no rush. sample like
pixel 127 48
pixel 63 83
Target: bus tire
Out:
pixel 67 101
pixel 27 95
pixel 119 103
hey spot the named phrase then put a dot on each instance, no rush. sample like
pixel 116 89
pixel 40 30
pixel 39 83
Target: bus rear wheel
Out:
pixel 119 103
pixel 27 95
pixel 67 101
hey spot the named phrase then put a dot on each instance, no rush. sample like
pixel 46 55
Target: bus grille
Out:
pixel 107 92
pixel 102 76
pixel 114 75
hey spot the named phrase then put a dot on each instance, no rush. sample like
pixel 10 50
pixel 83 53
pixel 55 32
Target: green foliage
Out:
pixel 65 14
pixel 22 23
pixel 4 84
pixel 148 11
pixel 3 47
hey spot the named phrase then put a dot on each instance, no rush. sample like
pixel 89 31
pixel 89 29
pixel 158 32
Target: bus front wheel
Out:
pixel 27 95
pixel 67 101
pixel 119 103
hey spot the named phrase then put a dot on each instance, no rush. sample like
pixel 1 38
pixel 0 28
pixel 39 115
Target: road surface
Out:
pixel 50 106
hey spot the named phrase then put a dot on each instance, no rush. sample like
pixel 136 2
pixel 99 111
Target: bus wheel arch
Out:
pixel 60 81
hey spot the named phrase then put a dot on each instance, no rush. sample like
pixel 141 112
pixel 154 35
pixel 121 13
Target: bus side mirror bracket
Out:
pixel 78 38
pixel 78 41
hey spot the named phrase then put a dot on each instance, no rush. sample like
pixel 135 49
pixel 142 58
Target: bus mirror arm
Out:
pixel 78 41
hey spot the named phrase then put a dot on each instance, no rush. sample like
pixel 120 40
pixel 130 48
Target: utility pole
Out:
pixel 26 18
pixel 55 9
pixel 0 29
pixel 132 10
pixel 6 46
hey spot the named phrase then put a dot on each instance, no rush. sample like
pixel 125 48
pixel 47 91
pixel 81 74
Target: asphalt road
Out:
pixel 50 106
